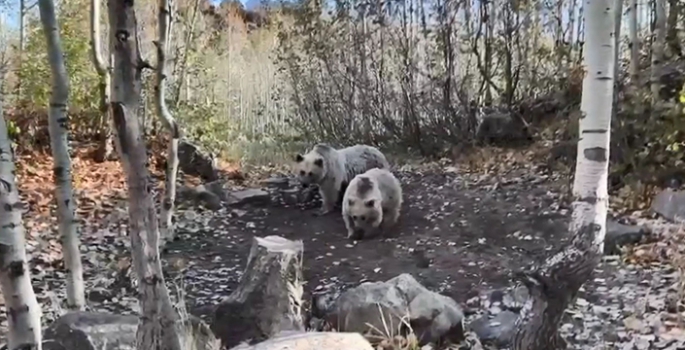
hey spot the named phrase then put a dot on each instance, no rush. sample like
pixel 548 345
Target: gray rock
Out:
pixel 619 235
pixel 311 341
pixel 497 330
pixel 515 298
pixel 198 196
pixel 432 316
pixel 281 182
pixel 670 204
pixel 193 161
pixel 252 196
pixel 100 331
pixel 291 195
pixel 91 331
pixel 217 187
pixel 495 126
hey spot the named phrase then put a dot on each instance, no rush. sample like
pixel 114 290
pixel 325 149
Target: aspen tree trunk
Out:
pixel 553 284
pixel 166 223
pixel 571 22
pixel 160 326
pixel 672 39
pixel 489 35
pixel 658 47
pixel 22 309
pixel 58 124
pixel 104 149
pixel 559 35
pixel 634 43
pixel 184 63
pixel 617 46
pixel 22 40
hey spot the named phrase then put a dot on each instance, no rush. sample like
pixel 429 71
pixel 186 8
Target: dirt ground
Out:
pixel 457 234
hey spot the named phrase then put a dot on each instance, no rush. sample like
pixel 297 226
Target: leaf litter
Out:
pixel 634 301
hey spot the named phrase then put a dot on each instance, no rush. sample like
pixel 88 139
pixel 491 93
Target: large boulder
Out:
pixel 670 204
pixel 198 196
pixel 193 161
pixel 497 126
pixel 497 329
pixel 433 317
pixel 619 235
pixel 82 330
pixel 312 341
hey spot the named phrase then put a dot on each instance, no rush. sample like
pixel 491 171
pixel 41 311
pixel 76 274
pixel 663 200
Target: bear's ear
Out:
pixel 299 158
pixel 319 163
pixel 370 203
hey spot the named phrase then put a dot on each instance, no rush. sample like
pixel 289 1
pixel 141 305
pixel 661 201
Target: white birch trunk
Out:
pixel 167 212
pixel 658 47
pixel 634 43
pixel 22 309
pixel 160 326
pixel 103 70
pixel 57 121
pixel 553 284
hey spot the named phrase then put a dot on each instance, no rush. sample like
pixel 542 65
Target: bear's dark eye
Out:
pixel 302 172
pixel 311 174
pixel 363 218
pixel 354 217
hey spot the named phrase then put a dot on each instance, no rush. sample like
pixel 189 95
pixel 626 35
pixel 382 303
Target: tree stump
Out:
pixel 269 297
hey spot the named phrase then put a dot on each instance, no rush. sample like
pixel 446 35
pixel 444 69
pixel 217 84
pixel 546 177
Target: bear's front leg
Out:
pixel 328 200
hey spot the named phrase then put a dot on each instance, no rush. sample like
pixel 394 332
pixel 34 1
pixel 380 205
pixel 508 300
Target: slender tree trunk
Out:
pixel 184 63
pixel 658 47
pixel 105 150
pixel 559 35
pixel 57 122
pixel 571 25
pixel 581 31
pixel 617 49
pixel 553 284
pixel 674 45
pixel 22 41
pixel 489 29
pixel 634 44
pixel 160 326
pixel 22 309
pixel 166 223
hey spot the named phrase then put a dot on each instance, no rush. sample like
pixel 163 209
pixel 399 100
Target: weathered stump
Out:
pixel 268 299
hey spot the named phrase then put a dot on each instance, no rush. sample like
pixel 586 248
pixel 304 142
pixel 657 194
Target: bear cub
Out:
pixel 372 202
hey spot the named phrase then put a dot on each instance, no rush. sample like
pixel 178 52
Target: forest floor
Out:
pixel 461 233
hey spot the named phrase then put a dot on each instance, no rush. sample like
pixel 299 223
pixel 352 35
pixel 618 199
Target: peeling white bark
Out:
pixel 160 325
pixel 58 123
pixel 22 309
pixel 555 283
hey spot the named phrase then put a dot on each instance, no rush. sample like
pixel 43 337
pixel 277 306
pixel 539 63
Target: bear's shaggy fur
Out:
pixel 372 200
pixel 333 169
